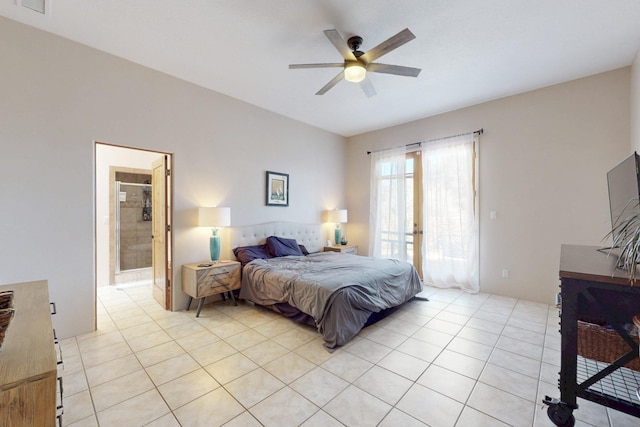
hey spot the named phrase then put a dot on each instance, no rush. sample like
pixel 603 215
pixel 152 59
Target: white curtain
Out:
pixel 450 246
pixel 387 222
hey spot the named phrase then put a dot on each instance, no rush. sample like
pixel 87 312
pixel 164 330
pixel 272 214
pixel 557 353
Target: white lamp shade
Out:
pixel 214 217
pixel 355 72
pixel 338 216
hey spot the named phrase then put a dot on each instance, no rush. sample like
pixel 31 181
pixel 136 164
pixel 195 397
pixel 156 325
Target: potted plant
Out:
pixel 626 238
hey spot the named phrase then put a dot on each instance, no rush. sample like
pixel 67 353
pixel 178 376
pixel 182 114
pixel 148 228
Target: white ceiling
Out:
pixel 470 51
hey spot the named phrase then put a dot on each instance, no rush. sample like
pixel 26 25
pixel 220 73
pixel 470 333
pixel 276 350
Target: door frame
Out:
pixel 169 208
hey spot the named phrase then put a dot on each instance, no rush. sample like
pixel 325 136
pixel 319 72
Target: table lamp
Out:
pixel 338 216
pixel 214 218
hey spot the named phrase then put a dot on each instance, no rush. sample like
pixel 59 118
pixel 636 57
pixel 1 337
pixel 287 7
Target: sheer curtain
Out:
pixel 387 222
pixel 450 248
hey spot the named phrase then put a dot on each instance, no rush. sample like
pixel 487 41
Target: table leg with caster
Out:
pixel 559 412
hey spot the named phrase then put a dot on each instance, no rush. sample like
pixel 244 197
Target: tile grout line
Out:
pixel 352 383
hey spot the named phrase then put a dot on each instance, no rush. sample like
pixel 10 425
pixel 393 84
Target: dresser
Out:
pixel 205 279
pixel 28 362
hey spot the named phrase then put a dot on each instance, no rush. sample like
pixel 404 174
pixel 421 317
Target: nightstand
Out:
pixel 345 249
pixel 207 278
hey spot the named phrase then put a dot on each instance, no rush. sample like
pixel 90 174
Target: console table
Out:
pixel 592 287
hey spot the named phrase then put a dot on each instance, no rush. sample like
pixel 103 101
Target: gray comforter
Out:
pixel 340 291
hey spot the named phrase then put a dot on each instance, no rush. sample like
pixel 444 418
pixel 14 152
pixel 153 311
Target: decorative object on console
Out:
pixel 214 217
pixel 338 216
pixel 277 189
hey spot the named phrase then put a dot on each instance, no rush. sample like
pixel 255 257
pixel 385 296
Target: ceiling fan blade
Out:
pixel 398 70
pixel 337 40
pixel 388 45
pixel 323 65
pixel 337 79
pixel 367 88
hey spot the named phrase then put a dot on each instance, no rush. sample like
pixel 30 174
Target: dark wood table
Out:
pixel 593 288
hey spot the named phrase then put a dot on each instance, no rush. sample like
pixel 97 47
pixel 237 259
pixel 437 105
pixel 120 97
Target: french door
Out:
pixel 398 199
pixel 414 231
pixel 423 210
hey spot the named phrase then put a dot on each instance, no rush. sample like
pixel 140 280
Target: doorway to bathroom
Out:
pixel 133 218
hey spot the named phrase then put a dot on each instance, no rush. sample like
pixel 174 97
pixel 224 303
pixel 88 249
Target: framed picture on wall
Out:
pixel 277 189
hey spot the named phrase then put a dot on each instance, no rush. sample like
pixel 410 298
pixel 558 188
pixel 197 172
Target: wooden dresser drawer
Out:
pixel 216 280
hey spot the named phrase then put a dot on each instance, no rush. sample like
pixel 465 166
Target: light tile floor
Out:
pixel 457 360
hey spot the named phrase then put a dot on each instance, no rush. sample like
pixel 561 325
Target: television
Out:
pixel 624 190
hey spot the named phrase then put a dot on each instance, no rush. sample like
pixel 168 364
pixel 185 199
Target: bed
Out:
pixel 285 270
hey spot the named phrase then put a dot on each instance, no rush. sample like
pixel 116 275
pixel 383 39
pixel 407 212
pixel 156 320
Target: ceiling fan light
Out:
pixel 355 72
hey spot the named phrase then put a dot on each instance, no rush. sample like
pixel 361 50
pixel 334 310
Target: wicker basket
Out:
pixel 605 345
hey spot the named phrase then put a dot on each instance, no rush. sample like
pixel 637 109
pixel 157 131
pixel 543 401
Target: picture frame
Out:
pixel 277 190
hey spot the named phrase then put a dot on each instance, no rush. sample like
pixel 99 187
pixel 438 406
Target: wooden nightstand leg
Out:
pixel 233 297
pixel 189 303
pixel 200 304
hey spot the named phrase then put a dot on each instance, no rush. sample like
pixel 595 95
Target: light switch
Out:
pixel 493 215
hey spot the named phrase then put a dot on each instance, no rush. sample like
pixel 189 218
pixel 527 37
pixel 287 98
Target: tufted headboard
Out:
pixel 312 236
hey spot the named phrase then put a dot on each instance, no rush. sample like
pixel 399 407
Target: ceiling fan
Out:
pixel 357 63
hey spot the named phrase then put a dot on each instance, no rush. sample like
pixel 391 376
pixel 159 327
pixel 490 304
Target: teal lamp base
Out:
pixel 338 234
pixel 214 248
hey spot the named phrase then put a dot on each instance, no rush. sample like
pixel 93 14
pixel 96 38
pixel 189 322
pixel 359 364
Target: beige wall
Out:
pixel 543 160
pixel 58 97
